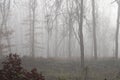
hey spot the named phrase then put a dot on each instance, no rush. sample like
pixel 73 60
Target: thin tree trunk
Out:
pixel 48 55
pixel 70 37
pixel 30 28
pixel 117 33
pixel 70 29
pixel 56 31
pixel 33 27
pixel 81 35
pixel 94 30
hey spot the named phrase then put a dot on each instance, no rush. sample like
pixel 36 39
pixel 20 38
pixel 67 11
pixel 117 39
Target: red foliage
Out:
pixel 12 70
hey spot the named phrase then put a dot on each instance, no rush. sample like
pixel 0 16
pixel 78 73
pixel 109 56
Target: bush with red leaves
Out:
pixel 12 70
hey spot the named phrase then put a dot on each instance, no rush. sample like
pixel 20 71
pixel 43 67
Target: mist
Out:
pixel 51 35
pixel 63 39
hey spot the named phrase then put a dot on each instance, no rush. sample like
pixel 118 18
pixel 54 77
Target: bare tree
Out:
pixel 4 32
pixel 94 30
pixel 70 23
pixel 32 17
pixel 49 31
pixel 117 30
pixel 81 33
pixel 80 15
pixel 56 26
pixel 49 20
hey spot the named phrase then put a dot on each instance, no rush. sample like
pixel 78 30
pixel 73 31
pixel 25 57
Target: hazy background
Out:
pixel 18 21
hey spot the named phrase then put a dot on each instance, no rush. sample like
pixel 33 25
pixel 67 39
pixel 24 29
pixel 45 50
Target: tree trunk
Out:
pixel 56 30
pixel 81 35
pixel 70 38
pixel 48 55
pixel 94 30
pixel 33 28
pixel 117 33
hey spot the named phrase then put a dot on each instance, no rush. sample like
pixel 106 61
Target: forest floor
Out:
pixel 60 69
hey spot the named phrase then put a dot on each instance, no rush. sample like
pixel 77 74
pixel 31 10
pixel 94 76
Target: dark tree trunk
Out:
pixel 81 35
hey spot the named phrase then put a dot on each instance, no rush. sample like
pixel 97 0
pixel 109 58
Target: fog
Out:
pixel 59 40
pixel 51 28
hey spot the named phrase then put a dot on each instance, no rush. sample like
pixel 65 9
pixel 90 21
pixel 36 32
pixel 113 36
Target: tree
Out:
pixel 49 20
pixel 33 9
pixel 80 18
pixel 32 33
pixel 33 43
pixel 5 7
pixel 81 33
pixel 49 31
pixel 117 30
pixel 94 29
pixel 57 6
pixel 70 22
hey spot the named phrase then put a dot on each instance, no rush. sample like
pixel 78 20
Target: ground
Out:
pixel 62 69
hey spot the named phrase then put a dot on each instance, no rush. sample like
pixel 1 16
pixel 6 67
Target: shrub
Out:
pixel 12 70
